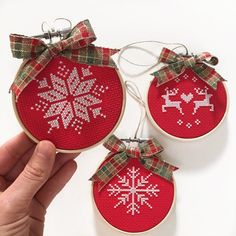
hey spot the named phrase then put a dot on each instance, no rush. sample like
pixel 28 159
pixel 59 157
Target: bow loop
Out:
pixel 176 64
pixel 150 147
pixel 208 58
pixel 23 47
pixel 114 144
pixel 168 56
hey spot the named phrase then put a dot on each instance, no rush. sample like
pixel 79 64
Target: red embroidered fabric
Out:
pixel 187 107
pixel 73 105
pixel 135 200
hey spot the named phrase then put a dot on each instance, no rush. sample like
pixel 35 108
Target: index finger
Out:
pixel 12 151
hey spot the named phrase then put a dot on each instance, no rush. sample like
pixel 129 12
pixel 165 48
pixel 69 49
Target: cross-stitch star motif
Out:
pixel 74 105
pixel 70 100
pixel 133 190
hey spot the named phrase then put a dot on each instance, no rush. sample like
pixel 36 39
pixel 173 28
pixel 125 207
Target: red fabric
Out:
pixel 179 119
pixel 147 218
pixel 97 103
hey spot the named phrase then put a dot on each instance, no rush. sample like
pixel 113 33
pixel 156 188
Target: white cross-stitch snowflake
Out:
pixel 133 191
pixel 71 99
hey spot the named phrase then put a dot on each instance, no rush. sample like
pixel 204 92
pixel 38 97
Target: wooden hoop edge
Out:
pixel 155 125
pixel 74 150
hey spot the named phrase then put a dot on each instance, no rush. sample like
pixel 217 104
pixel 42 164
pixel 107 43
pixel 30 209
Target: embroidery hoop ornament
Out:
pixel 111 143
pixel 64 34
pixel 150 67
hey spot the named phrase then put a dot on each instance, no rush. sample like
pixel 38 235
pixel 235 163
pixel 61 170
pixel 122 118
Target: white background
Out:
pixel 206 189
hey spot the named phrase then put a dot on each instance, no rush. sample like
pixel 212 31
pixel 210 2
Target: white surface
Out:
pixel 206 189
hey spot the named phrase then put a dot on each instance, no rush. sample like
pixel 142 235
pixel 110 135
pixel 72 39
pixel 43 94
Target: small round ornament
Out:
pixel 71 93
pixel 133 189
pixel 185 100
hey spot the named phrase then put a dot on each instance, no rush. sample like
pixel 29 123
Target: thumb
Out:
pixel 36 173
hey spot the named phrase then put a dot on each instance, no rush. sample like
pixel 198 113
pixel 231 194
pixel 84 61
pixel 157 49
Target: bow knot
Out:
pixel 147 152
pixel 57 48
pixel 190 62
pixel 176 64
pixel 53 50
pixel 134 152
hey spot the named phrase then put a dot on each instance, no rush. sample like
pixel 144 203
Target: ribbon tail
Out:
pixel 208 75
pixel 30 69
pixel 159 167
pixel 109 170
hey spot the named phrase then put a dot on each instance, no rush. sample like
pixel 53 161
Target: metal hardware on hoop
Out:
pixel 52 32
pixel 130 140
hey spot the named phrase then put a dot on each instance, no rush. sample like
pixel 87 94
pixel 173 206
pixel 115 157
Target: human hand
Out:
pixel 30 177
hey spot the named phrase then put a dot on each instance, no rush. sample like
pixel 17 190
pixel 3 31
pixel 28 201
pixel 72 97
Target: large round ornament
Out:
pixel 74 105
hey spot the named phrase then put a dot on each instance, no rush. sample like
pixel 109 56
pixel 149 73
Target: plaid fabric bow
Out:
pixel 147 152
pixel 76 47
pixel 176 65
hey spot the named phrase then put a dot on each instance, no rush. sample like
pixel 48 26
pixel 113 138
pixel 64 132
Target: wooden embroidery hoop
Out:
pixel 135 233
pixel 74 150
pixel 135 94
pixel 155 125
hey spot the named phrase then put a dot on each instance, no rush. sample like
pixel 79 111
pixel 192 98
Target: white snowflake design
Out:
pixel 71 100
pixel 133 191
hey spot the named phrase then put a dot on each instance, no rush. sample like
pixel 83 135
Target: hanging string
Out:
pixel 131 87
pixel 134 92
pixel 156 58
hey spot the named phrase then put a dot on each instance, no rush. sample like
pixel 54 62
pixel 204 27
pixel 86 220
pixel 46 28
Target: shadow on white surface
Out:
pixel 167 228
pixel 195 154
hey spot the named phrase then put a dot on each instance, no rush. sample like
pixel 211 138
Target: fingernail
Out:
pixel 45 149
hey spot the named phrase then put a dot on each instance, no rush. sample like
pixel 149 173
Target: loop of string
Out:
pixel 134 92
pixel 150 66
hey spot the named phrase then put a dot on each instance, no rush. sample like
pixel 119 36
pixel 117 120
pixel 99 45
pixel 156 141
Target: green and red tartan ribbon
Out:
pixel 76 47
pixel 148 153
pixel 176 65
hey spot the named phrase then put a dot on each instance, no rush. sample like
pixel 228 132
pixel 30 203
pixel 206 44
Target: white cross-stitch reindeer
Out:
pixel 169 103
pixel 203 103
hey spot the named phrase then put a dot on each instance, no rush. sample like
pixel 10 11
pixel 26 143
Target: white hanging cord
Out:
pixel 134 92
pixel 150 66
pixel 138 48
